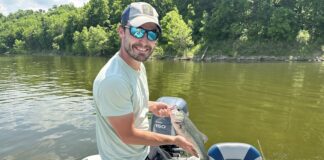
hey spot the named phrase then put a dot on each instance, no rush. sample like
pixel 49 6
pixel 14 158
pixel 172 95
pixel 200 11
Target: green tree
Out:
pixel 112 44
pixel 310 16
pixel 19 47
pixel 28 29
pixel 73 24
pixel 3 47
pixel 97 40
pixel 57 20
pixel 2 17
pixel 45 39
pixel 257 20
pixel 282 25
pixel 58 42
pixel 202 10
pixel 80 45
pixel 162 6
pixel 227 20
pixel 117 8
pixel 176 34
pixel 90 41
pixel 97 13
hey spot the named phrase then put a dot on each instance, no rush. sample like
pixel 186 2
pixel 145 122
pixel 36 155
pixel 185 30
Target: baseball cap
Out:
pixel 139 13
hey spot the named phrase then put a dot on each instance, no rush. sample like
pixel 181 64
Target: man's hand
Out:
pixel 186 145
pixel 159 109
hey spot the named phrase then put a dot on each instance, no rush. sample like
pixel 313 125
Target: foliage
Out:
pixel 19 47
pixel 226 21
pixel 234 27
pixel 97 13
pixel 90 42
pixel 282 22
pixel 112 44
pixel 177 34
pixel 81 39
pixel 303 36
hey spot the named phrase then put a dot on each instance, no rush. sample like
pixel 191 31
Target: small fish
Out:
pixel 184 127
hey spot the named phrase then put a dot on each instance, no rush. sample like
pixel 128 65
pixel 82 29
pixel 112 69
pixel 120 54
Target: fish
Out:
pixel 186 128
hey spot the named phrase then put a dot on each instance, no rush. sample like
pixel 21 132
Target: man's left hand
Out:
pixel 160 109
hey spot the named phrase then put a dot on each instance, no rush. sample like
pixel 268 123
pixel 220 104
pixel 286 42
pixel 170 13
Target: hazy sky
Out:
pixel 9 6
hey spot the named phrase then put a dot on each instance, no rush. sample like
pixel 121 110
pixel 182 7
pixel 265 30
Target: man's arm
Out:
pixel 124 127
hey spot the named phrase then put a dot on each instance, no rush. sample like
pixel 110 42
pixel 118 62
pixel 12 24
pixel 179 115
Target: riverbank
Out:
pixel 204 58
pixel 252 51
pixel 259 58
pixel 224 58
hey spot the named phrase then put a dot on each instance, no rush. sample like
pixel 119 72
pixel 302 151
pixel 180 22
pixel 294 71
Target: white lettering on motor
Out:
pixel 160 126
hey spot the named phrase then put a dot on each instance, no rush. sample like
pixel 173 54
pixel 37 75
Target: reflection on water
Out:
pixel 279 104
pixel 46 105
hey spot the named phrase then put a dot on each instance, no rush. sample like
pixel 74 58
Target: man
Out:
pixel 121 92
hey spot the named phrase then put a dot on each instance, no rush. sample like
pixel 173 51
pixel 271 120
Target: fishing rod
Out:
pixel 261 150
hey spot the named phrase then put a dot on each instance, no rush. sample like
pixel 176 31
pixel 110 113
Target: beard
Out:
pixel 140 56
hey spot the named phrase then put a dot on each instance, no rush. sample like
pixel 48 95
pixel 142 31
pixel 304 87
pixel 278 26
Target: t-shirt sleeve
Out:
pixel 115 97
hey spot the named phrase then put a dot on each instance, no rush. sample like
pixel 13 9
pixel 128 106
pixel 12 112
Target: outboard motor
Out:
pixel 163 125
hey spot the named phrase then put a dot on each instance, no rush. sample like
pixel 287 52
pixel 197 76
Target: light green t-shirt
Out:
pixel 118 90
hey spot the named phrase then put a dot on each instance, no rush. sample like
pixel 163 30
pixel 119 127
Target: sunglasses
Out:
pixel 139 33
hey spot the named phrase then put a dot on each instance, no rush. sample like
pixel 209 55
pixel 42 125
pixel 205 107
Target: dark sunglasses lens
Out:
pixel 137 32
pixel 152 36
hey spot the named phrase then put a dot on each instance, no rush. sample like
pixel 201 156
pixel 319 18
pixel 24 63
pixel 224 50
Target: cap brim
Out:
pixel 140 20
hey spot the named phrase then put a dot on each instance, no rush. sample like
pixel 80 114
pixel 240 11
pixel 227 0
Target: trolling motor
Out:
pixel 163 125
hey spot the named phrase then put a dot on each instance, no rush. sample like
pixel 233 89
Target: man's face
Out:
pixel 139 49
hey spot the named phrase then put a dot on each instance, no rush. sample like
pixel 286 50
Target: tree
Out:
pixel 90 41
pixel 3 47
pixel 227 20
pixel 2 17
pixel 176 33
pixel 97 40
pixel 80 45
pixel 73 24
pixel 97 13
pixel 258 17
pixel 162 6
pixel 282 25
pixel 57 20
pixel 112 44
pixel 45 39
pixel 117 8
pixel 19 47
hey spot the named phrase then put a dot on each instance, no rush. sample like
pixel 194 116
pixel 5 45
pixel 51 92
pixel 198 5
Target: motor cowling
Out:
pixel 163 124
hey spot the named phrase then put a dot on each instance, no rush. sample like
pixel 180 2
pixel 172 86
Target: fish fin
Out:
pixel 204 137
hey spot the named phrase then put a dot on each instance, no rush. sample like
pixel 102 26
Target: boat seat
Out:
pixel 233 151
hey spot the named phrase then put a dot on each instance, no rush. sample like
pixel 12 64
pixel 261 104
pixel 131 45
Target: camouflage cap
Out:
pixel 139 13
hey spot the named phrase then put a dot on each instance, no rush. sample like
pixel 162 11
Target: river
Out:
pixel 46 105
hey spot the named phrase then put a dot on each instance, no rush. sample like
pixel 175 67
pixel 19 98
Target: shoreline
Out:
pixel 224 58
pixel 212 58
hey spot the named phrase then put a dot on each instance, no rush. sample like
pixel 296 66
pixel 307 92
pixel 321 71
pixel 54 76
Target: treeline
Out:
pixel 222 27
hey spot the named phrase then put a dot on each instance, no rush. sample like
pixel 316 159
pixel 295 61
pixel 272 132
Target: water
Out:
pixel 46 105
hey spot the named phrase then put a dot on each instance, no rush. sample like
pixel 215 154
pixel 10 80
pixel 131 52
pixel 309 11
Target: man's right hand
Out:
pixel 186 145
